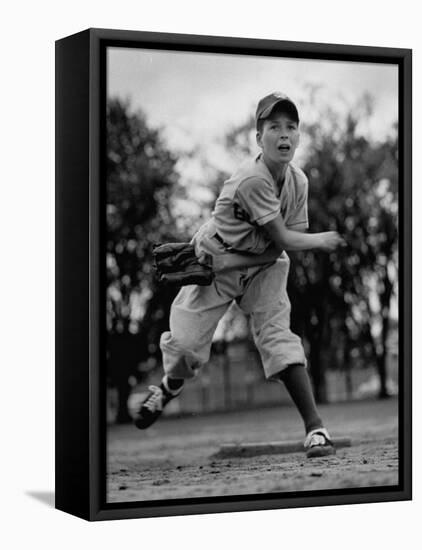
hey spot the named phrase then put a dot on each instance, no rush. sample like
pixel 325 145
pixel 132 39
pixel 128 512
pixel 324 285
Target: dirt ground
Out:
pixel 174 458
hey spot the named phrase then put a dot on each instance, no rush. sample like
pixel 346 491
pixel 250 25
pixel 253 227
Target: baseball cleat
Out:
pixel 153 405
pixel 318 443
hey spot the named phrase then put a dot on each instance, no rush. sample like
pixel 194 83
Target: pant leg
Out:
pixel 266 301
pixel 194 316
pixel 195 313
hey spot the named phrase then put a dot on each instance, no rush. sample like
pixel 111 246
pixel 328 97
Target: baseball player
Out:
pixel 260 213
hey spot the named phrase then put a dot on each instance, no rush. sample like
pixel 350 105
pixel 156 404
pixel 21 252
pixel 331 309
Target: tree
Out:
pixel 354 190
pixel 140 180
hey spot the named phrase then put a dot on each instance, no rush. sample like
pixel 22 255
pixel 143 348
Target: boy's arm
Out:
pixel 285 239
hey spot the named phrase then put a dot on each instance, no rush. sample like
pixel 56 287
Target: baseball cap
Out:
pixel 267 104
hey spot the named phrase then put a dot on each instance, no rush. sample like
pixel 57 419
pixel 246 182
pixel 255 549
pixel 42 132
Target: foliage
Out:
pixel 354 187
pixel 140 180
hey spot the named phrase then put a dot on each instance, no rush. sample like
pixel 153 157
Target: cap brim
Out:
pixel 266 113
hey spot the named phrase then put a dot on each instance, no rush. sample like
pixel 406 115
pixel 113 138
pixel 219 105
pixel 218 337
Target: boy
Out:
pixel 260 213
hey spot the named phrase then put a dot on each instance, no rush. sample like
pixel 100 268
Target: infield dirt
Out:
pixel 174 458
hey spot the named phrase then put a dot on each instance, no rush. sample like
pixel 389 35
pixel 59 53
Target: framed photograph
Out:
pixel 233 274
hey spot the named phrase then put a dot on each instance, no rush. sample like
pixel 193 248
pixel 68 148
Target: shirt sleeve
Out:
pixel 298 219
pixel 256 198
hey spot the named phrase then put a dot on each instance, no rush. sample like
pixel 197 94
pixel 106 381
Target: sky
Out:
pixel 195 97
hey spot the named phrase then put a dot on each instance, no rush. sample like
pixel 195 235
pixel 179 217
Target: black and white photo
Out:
pixel 252 269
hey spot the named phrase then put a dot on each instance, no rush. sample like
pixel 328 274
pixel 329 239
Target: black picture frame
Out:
pixel 80 274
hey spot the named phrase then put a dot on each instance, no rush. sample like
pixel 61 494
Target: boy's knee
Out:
pixel 180 359
pixel 183 368
pixel 181 344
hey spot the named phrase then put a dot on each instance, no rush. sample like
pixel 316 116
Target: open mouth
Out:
pixel 284 148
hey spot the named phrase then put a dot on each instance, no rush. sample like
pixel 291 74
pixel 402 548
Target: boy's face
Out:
pixel 278 138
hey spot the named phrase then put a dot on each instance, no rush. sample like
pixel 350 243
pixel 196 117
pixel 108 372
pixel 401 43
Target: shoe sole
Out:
pixel 143 424
pixel 319 451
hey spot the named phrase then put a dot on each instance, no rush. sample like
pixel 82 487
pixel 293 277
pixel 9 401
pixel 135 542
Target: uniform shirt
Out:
pixel 251 198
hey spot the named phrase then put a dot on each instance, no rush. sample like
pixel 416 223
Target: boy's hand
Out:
pixel 330 240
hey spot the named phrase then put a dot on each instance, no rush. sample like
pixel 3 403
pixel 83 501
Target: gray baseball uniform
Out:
pixel 249 199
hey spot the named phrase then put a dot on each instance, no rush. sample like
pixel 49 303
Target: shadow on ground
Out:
pixel 46 497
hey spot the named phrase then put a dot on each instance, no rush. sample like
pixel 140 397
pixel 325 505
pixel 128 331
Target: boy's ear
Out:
pixel 258 139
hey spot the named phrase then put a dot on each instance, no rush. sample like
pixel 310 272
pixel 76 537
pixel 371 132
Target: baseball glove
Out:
pixel 177 264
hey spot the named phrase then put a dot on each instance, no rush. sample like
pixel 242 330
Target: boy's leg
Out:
pixel 174 384
pixel 194 316
pixel 281 350
pixel 318 442
pixel 298 384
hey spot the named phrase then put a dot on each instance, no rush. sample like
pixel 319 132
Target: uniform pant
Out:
pixel 261 294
